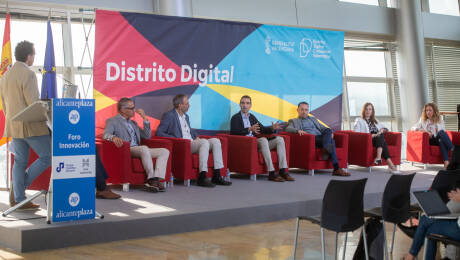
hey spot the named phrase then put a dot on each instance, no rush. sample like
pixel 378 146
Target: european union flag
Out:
pixel 49 68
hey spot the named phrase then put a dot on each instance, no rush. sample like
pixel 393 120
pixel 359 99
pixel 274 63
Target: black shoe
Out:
pixel 203 181
pixel 218 180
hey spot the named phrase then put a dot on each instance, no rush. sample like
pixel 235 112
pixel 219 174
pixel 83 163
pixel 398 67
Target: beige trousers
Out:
pixel 264 146
pixel 203 147
pixel 146 154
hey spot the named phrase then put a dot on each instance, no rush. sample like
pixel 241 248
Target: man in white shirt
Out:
pixel 176 123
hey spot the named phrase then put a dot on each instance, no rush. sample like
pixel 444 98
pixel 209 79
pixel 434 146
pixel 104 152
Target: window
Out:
pixel 365 63
pixel 36 33
pixel 78 44
pixel 448 7
pixel 360 93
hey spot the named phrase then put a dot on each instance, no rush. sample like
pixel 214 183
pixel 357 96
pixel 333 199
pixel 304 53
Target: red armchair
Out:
pixel 185 164
pixel 419 148
pixel 305 155
pixel 244 157
pixel 124 169
pixel 362 153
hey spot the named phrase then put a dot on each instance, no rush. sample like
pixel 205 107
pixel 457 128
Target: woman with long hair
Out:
pixel 432 123
pixel 368 124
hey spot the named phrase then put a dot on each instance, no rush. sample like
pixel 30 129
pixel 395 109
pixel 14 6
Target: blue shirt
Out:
pixel 246 123
pixel 132 134
pixel 308 126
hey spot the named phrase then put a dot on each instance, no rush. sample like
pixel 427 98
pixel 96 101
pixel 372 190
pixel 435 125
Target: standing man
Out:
pixel 19 89
pixel 308 124
pixel 176 123
pixel 245 123
pixel 121 128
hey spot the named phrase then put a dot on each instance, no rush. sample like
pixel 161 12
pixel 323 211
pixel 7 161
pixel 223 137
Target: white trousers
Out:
pixel 146 154
pixel 203 147
pixel 264 146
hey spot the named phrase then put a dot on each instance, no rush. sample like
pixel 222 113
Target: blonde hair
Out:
pixel 435 118
pixel 363 112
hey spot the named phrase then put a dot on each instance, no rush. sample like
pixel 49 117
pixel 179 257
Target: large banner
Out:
pixel 151 58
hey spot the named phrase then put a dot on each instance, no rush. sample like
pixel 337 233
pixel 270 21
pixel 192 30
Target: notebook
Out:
pixel 433 206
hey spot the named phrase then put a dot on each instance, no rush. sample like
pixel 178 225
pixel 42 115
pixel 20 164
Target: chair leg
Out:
pixel 393 239
pixel 311 172
pixel 336 244
pixel 126 187
pixel 369 169
pixel 385 244
pixel 366 253
pixel 187 183
pixel 345 245
pixel 425 248
pixel 323 248
pixel 295 237
pixel 425 166
pixel 253 177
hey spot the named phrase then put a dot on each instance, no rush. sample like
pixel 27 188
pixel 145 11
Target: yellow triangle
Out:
pixel 102 101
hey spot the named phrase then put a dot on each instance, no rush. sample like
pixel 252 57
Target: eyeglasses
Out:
pixel 130 108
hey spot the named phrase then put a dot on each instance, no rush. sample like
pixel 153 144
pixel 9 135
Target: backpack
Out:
pixel 374 237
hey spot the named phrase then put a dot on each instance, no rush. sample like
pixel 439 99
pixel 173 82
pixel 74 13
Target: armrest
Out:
pixel 341 140
pixel 393 138
pixel 417 142
pixel 239 148
pixel 116 160
pixel 454 136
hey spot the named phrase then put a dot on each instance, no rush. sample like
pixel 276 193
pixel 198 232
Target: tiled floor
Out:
pixel 272 240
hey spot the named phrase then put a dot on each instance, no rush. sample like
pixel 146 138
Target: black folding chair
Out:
pixel 442 239
pixel 342 211
pixel 395 205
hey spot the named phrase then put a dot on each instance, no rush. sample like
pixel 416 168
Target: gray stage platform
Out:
pixel 182 209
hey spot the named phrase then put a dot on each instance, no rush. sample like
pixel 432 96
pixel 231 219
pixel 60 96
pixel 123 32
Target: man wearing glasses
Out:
pixel 121 128
pixel 175 123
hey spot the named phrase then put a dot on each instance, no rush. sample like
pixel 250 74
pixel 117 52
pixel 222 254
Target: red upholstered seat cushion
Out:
pixel 196 161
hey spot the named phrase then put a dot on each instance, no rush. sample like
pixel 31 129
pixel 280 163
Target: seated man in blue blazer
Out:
pixel 245 123
pixel 308 124
pixel 121 128
pixel 175 123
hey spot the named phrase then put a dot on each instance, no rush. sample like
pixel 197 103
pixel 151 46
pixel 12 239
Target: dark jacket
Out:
pixel 170 126
pixel 237 125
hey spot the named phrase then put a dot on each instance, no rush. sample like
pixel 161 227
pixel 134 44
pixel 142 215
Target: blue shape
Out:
pixel 73 199
pixel 49 68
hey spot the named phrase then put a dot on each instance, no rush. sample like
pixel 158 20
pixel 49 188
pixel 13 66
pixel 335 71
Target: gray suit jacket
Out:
pixel 19 89
pixel 115 126
pixel 295 125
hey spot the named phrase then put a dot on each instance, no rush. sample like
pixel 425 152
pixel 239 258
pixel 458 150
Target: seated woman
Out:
pixel 446 227
pixel 368 124
pixel 432 123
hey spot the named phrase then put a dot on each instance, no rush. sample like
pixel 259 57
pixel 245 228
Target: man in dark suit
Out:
pixel 244 123
pixel 308 124
pixel 176 123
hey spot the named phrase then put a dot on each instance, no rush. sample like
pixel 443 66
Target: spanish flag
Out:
pixel 4 66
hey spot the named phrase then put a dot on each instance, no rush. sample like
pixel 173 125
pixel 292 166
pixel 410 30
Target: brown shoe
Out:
pixel 275 178
pixel 286 177
pixel 340 172
pixel 107 194
pixel 12 202
pixel 28 206
pixel 160 186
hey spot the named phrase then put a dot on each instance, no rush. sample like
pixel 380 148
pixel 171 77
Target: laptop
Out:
pixel 433 206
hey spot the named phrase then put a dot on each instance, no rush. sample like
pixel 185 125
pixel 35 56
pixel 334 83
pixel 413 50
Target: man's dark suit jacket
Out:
pixel 170 126
pixel 237 125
